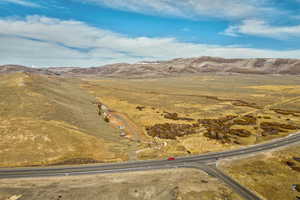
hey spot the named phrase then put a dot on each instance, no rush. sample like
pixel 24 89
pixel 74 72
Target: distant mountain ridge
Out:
pixel 182 66
pixel 6 69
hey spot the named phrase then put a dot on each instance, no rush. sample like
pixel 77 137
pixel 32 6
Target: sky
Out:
pixel 87 33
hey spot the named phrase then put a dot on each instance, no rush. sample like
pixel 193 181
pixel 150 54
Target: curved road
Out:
pixel 205 162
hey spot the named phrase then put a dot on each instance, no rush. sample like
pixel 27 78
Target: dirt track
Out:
pixel 126 126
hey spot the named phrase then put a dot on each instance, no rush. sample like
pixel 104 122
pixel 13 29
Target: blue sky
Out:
pixel 97 32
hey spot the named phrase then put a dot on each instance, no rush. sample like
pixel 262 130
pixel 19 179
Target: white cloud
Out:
pixel 43 41
pixel 261 28
pixel 22 3
pixel 235 9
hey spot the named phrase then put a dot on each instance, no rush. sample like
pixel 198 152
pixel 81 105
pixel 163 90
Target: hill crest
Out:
pixel 175 67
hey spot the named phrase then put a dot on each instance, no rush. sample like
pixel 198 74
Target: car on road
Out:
pixel 171 158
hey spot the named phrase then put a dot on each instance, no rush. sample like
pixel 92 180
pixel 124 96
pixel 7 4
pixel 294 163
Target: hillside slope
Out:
pixel 175 67
pixel 200 65
pixel 47 120
pixel 7 69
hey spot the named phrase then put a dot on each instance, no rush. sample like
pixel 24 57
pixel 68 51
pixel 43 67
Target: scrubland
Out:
pixel 270 174
pixel 197 114
pixel 49 120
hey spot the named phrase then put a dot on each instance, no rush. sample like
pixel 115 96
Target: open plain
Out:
pixel 161 117
pixel 50 119
pixel 149 100
pixel 197 114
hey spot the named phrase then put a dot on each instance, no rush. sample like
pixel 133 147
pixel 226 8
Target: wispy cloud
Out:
pixel 22 3
pixel 232 9
pixel 250 17
pixel 262 28
pixel 44 41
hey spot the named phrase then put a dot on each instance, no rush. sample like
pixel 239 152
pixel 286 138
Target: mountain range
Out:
pixel 175 67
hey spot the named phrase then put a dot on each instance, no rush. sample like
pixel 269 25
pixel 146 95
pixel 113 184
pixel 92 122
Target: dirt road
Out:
pixel 128 129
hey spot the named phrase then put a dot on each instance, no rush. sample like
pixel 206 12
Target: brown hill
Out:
pixel 60 70
pixel 48 119
pixel 7 69
pixel 200 65
pixel 175 67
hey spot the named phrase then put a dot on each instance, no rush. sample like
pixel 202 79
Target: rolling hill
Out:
pixel 200 65
pixel 48 120
pixel 175 67
pixel 7 69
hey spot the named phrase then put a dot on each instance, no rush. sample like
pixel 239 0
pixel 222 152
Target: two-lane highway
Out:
pixel 202 161
pixel 237 187
pixel 180 161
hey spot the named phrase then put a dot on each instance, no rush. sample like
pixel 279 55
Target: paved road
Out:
pixel 203 162
pixel 238 188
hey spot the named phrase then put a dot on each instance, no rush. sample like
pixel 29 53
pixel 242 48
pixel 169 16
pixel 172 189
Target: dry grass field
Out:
pixel 270 174
pixel 47 120
pixel 197 114
pixel 177 184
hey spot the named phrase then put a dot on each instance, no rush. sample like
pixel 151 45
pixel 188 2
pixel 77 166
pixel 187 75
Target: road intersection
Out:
pixel 205 162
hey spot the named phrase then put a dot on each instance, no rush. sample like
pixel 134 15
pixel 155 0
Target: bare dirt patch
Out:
pixel 178 184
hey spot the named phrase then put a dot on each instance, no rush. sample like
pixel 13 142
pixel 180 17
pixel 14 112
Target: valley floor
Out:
pixel 48 120
pixel 199 114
